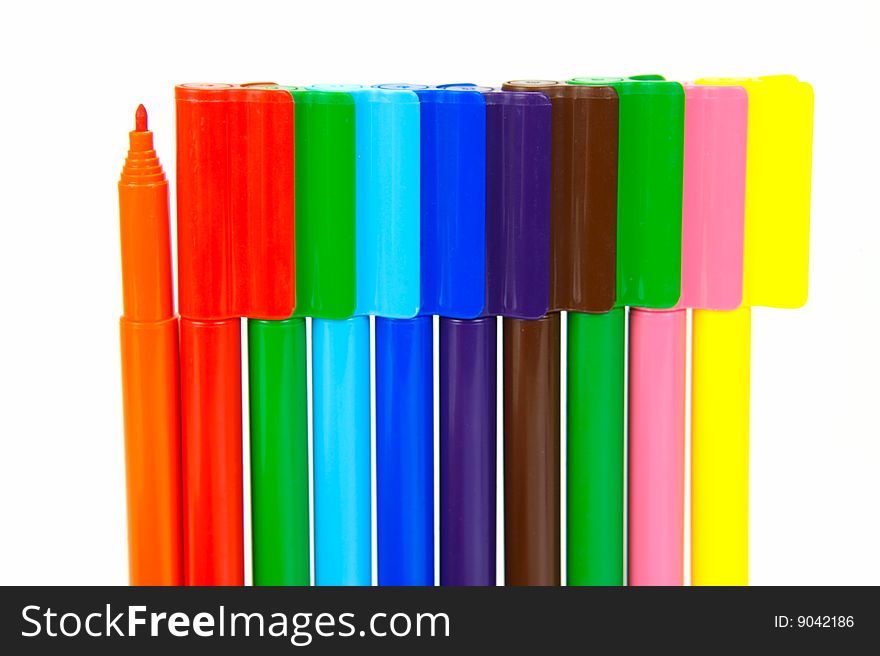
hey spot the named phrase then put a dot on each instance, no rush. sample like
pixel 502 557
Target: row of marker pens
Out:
pixel 341 202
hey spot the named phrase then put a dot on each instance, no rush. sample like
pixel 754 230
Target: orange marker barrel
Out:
pixel 150 385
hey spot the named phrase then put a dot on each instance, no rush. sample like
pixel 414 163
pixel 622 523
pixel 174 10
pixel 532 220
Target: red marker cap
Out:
pixel 235 201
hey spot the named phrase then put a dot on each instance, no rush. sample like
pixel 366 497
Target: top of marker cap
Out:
pixel 595 80
pixel 713 197
pixel 778 177
pixel 519 85
pixel 235 202
pixel 583 206
pixel 468 87
pixel 333 86
pixel 402 86
pixel 649 189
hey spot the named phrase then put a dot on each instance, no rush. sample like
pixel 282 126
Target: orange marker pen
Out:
pixel 150 384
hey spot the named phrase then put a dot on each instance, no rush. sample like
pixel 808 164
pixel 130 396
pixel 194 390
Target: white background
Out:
pixel 73 74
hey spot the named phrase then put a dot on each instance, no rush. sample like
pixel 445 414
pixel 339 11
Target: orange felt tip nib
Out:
pixel 140 119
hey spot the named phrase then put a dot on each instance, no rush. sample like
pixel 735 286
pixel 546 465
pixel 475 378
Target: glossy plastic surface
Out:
pixel 279 451
pixel 712 256
pixel 453 201
pixel 583 228
pixel 405 451
pixel 279 442
pixel 149 357
pixel 387 138
pixel 210 383
pixel 518 142
pixel 649 220
pixel 583 202
pixel 468 365
pixel 715 124
pixel 388 213
pixel 404 414
pixel 235 201
pixel 649 197
pixel 325 203
pixel 518 133
pixel 144 233
pixel 595 512
pixel 341 451
pixel 151 407
pixel 776 254
pixel 657 353
pixel 778 177
pixel 720 448
pixel 531 451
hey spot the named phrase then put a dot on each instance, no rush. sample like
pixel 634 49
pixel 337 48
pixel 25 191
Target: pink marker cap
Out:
pixel 713 209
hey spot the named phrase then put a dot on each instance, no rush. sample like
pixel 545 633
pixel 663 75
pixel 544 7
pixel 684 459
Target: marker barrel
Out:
pixel 405 451
pixel 210 383
pixel 151 407
pixel 531 451
pixel 468 363
pixel 595 459
pixel 720 447
pixel 341 450
pixel 657 362
pixel 279 451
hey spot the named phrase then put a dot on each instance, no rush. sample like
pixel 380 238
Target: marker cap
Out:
pixel 715 124
pixel 235 201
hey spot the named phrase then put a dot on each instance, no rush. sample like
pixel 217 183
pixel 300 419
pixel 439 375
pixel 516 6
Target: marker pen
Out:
pixel 150 385
pixel 775 272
